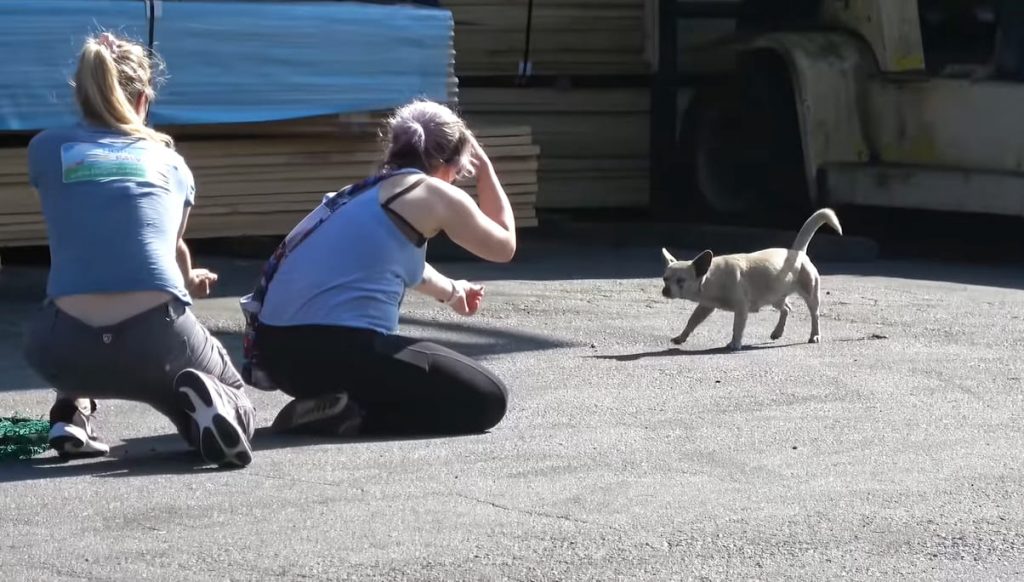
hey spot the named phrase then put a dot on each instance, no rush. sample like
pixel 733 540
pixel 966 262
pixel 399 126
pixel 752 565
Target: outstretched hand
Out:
pixel 200 282
pixel 468 298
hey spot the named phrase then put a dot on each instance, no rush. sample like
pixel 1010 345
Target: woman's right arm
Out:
pixel 487 230
pixel 493 200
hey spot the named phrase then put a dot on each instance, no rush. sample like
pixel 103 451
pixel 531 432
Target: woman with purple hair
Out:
pixel 325 332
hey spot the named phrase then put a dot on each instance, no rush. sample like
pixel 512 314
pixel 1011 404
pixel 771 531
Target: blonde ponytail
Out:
pixel 112 74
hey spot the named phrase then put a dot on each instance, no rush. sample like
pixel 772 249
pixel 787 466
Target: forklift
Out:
pixel 801 104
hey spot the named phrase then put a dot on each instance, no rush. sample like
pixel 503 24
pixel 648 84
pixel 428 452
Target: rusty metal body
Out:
pixel 875 129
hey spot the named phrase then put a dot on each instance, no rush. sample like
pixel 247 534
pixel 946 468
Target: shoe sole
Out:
pixel 220 440
pixel 70 446
pixel 62 444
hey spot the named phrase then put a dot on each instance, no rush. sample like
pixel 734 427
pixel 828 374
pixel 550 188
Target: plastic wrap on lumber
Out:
pixel 289 60
pixel 232 62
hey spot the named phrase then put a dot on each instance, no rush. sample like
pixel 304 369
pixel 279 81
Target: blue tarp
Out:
pixel 230 62
pixel 39 41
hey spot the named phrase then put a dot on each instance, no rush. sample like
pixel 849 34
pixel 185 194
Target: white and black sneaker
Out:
pixel 71 432
pixel 334 415
pixel 221 428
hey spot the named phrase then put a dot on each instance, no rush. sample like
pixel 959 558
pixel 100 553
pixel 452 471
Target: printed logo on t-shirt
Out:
pixel 84 162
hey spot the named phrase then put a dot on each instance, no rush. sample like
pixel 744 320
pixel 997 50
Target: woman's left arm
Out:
pixel 464 297
pixel 435 284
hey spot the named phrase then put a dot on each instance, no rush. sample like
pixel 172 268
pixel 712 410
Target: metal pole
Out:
pixel 663 115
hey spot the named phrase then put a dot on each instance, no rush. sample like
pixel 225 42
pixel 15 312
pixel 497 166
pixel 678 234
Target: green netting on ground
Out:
pixel 21 438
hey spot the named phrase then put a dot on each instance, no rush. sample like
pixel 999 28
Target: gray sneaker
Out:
pixel 71 432
pixel 221 428
pixel 334 415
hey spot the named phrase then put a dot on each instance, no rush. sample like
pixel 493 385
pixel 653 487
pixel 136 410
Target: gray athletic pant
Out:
pixel 136 359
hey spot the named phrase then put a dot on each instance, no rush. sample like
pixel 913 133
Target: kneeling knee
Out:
pixel 487 409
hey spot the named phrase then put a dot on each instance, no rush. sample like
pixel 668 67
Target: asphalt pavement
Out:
pixel 891 450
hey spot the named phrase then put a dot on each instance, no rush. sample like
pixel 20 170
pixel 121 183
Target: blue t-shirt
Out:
pixel 113 206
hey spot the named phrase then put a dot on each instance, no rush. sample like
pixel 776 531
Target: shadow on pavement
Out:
pixel 119 464
pixel 472 340
pixel 675 352
pixel 15 375
pixel 479 342
pixel 723 351
pixel 1006 277
pixel 168 455
pixel 266 440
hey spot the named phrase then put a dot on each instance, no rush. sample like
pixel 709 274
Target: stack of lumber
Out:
pixel 265 186
pixel 251 186
pixel 595 141
pixel 20 221
pixel 567 37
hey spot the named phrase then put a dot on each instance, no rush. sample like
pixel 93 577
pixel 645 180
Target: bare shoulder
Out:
pixel 446 198
pixel 433 187
pixel 446 191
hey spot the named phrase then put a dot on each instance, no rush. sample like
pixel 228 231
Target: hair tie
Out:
pixel 106 39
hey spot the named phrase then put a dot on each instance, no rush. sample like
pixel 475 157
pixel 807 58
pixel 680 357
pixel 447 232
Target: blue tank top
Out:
pixel 113 206
pixel 352 271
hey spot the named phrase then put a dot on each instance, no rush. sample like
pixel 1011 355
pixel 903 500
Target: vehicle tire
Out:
pixel 741 152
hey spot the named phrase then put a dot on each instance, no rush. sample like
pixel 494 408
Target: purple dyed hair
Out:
pixel 426 135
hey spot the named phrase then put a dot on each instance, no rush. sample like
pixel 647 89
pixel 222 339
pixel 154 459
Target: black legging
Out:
pixel 404 386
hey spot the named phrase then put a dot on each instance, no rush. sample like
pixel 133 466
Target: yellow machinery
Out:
pixel 882 103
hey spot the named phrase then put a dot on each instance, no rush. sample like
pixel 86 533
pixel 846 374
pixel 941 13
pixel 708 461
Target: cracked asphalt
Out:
pixel 891 450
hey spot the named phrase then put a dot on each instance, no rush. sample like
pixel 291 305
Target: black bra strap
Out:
pixel 411 232
pixel 404 191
